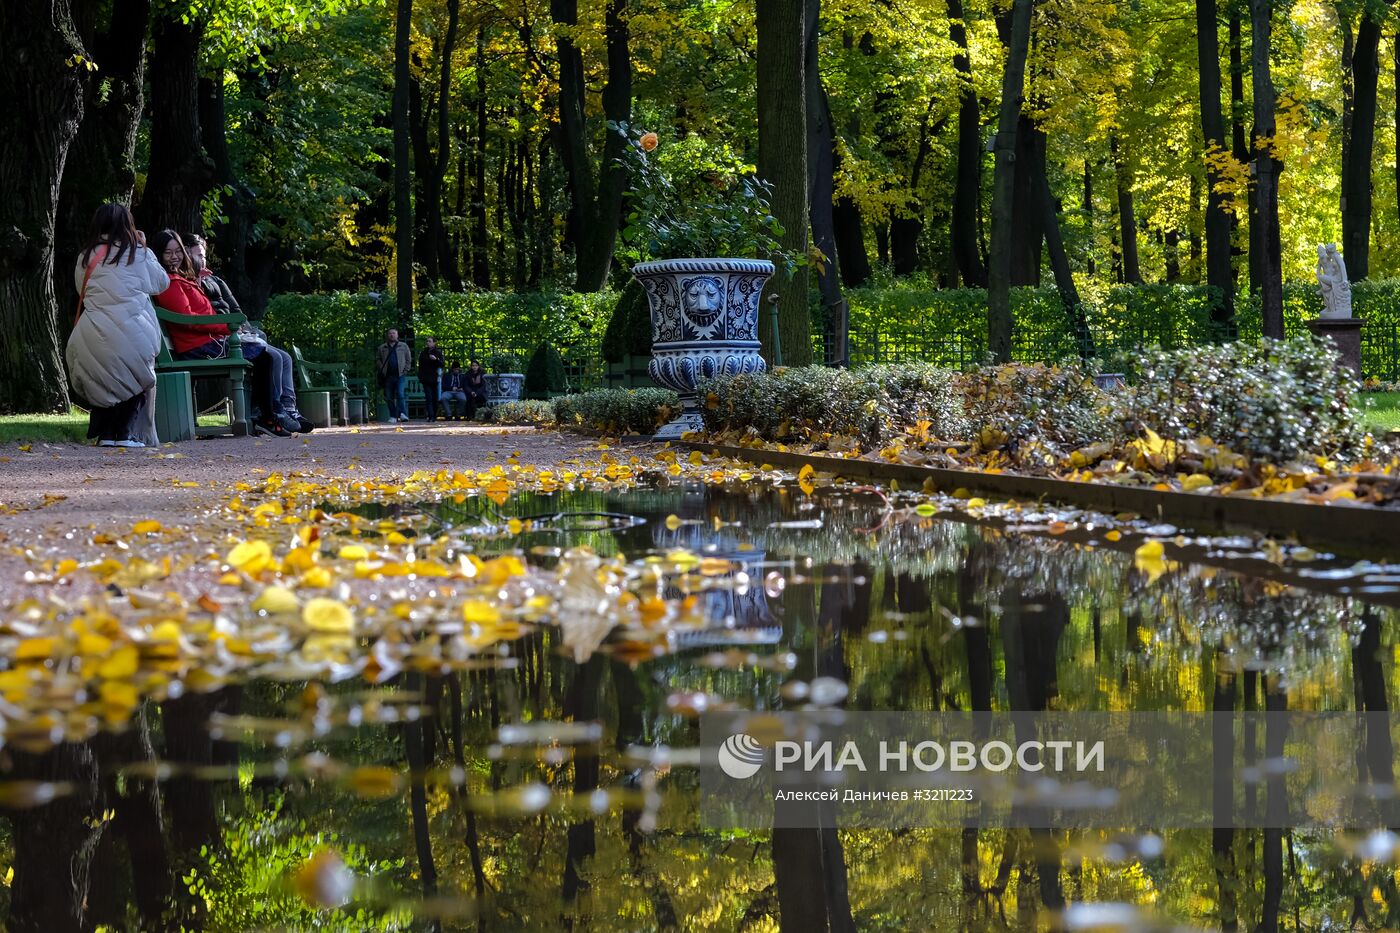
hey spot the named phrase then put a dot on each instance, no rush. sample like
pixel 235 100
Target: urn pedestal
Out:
pixel 1345 334
pixel 704 323
pixel 504 387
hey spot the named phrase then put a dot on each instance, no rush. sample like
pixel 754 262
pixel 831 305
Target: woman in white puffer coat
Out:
pixel 112 350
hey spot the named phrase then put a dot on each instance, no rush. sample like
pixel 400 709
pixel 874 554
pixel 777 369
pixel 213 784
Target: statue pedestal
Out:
pixel 1345 334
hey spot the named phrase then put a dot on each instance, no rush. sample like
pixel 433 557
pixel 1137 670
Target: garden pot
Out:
pixel 504 387
pixel 704 323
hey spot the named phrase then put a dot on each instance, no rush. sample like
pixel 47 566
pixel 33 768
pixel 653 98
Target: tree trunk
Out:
pixel 43 107
pixel 967 188
pixel 1088 218
pixel 1059 264
pixel 821 169
pixel 782 161
pixel 437 231
pixel 180 172
pixel 1220 273
pixel 403 177
pixel 101 168
pixel 234 233
pixel 481 265
pixel 1195 224
pixel 1266 172
pixel 1127 223
pixel 1028 237
pixel 424 256
pixel 1356 159
pixel 999 321
pixel 1240 143
pixel 597 197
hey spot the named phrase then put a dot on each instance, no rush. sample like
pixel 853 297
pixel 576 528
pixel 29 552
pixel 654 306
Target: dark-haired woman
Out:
pixel 195 341
pixel 111 353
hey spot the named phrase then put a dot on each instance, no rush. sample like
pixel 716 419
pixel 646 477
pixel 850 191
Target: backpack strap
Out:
pixel 98 255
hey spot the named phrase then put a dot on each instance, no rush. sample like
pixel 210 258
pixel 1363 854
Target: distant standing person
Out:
pixel 430 364
pixel 394 361
pixel 476 388
pixel 111 353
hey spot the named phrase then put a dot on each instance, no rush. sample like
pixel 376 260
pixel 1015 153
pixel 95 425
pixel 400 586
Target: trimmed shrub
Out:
pixel 635 411
pixel 502 362
pixel 629 329
pixel 870 404
pixel 529 411
pixel 545 372
pixel 1271 400
pixel 1054 407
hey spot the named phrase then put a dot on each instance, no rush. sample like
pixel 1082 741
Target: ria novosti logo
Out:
pixel 740 756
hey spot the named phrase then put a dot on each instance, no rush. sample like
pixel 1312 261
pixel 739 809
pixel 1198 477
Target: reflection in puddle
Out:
pixel 433 780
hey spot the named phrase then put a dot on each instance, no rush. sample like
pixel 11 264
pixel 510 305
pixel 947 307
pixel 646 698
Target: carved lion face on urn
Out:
pixel 702 299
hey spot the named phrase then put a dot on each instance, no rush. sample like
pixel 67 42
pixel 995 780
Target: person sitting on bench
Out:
pixel 454 392
pixel 195 341
pixel 476 388
pixel 279 380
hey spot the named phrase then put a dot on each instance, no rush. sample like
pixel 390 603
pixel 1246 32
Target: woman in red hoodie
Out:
pixel 195 341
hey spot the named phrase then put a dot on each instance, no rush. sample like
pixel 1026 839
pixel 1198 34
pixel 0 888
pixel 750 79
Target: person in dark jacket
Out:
pixel 430 364
pixel 454 392
pixel 475 380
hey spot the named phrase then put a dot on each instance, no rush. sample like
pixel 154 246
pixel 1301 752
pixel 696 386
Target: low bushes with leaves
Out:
pixel 626 411
pixel 814 403
pixel 1272 402
pixel 528 411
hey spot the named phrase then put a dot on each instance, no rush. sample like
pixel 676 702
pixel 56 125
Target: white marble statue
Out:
pixel 1332 282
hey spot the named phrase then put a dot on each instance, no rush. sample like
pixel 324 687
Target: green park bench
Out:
pixel 229 374
pixel 324 377
pixel 414 397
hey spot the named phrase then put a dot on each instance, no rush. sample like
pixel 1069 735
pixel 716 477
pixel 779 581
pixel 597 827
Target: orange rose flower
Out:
pixel 649 141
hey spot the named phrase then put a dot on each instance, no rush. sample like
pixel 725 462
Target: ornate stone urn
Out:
pixel 504 387
pixel 704 323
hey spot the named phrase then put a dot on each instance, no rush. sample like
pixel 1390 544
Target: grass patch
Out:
pixel 1381 412
pixel 62 429
pixel 69 428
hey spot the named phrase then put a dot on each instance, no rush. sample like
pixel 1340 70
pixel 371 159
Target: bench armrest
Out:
pixel 175 317
pixel 332 368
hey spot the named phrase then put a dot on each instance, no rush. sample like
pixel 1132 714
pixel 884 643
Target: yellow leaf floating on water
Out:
pixel 36 649
pixel 1150 559
pixel 316 578
pixel 146 527
pixel 276 599
pixel 804 479
pixel 976 502
pixel 328 615
pixel 354 552
pixel 251 557
pixel 480 612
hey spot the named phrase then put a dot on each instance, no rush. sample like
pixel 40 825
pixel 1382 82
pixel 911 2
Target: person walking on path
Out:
pixel 430 364
pixel 394 360
pixel 111 353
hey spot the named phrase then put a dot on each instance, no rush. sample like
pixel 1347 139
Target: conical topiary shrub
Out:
pixel 545 373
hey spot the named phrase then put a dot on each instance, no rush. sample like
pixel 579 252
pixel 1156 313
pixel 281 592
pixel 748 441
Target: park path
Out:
pixel 50 488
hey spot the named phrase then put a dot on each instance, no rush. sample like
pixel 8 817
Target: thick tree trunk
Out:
pixel 597 197
pixel 403 177
pixel 1027 215
pixel 180 172
pixel 782 160
pixel 100 168
pixel 1266 172
pixel 821 183
pixel 1195 224
pixel 424 189
pixel 1127 223
pixel 1220 273
pixel 1356 159
pixel 967 187
pixel 850 243
pixel 999 321
pixel 43 106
